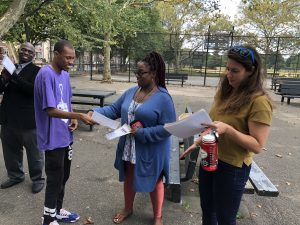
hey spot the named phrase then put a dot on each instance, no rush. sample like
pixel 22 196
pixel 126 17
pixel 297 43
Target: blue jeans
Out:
pixel 221 193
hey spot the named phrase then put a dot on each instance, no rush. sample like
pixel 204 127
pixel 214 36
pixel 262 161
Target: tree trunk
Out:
pixel 106 66
pixel 124 55
pixel 177 61
pixel 13 52
pixel 12 15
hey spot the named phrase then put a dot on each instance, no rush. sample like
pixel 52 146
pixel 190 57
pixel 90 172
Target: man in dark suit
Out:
pixel 18 122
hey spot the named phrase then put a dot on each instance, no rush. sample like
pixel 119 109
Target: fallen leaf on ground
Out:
pixel 289 153
pixel 278 155
pixel 259 206
pixel 288 183
pixel 88 220
pixel 195 180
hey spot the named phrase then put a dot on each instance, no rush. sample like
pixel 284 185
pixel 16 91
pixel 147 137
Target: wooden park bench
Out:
pixel 181 77
pixel 276 81
pixel 258 181
pixel 261 183
pixel 176 174
pixel 289 90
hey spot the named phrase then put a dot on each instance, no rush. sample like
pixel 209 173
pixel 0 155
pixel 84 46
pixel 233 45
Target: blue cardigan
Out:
pixel 152 143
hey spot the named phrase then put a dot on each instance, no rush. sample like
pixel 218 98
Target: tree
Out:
pixel 13 10
pixel 293 62
pixel 182 19
pixel 43 20
pixel 214 60
pixel 149 36
pixel 108 21
pixel 179 19
pixel 275 61
pixel 269 19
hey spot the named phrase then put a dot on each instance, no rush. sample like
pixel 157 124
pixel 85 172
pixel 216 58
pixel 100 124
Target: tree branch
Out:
pixel 42 3
pixel 12 15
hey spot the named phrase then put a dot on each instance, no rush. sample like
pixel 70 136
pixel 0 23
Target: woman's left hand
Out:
pixel 218 126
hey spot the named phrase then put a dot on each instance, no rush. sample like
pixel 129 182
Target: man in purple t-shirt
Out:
pixel 55 123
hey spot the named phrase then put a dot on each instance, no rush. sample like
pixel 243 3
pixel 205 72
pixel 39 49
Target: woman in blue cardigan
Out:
pixel 142 157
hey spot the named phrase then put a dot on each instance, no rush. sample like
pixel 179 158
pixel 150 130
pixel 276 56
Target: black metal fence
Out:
pixel 199 56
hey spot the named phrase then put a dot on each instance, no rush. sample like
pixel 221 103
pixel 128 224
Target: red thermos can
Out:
pixel 209 152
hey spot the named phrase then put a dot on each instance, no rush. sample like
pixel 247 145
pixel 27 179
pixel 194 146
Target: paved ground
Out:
pixel 94 190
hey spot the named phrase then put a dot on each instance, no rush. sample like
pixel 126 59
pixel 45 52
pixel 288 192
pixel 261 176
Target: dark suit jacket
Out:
pixel 17 106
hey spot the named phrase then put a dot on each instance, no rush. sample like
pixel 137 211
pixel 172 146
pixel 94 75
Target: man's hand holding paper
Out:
pixel 104 121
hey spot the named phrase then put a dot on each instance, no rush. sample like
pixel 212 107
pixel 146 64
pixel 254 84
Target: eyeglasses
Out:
pixel 244 52
pixel 140 73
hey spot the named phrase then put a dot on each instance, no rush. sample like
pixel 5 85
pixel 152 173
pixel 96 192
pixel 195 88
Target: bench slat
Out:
pixel 174 162
pixel 263 186
pixel 276 81
pixel 289 90
pixel 85 101
pixel 173 190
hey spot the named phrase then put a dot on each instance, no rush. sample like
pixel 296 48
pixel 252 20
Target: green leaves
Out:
pixel 4 6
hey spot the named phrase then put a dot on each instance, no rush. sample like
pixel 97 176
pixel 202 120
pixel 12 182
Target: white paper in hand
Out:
pixel 190 125
pixel 8 64
pixel 123 130
pixel 104 121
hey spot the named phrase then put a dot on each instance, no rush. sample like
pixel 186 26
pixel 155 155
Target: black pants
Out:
pixel 13 141
pixel 221 192
pixel 57 168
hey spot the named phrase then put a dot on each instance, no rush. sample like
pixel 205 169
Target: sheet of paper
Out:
pixel 190 125
pixel 8 64
pixel 123 130
pixel 104 121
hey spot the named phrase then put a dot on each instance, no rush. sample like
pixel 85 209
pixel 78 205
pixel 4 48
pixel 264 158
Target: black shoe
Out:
pixel 37 187
pixel 9 183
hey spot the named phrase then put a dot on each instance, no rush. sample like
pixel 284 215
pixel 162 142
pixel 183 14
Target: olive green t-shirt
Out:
pixel 258 110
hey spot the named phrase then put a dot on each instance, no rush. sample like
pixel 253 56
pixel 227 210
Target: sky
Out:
pixel 229 7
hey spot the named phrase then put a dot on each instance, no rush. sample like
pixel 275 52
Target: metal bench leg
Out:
pixel 282 99
pixel 288 100
pixel 91 127
pixel 173 193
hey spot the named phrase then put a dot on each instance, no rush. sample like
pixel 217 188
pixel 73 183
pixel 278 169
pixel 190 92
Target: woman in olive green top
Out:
pixel 241 114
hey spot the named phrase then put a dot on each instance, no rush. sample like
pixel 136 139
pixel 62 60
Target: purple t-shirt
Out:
pixel 52 90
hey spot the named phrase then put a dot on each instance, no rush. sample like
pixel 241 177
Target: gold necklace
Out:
pixel 140 100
